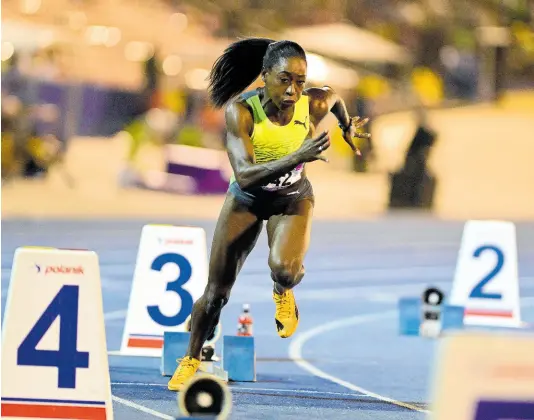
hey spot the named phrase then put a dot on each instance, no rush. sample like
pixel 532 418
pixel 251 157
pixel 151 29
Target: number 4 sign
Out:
pixel 486 280
pixel 170 275
pixel 54 359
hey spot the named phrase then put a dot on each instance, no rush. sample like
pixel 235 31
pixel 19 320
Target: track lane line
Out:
pixel 297 344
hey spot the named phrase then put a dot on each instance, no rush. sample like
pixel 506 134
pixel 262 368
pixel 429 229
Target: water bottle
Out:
pixel 244 323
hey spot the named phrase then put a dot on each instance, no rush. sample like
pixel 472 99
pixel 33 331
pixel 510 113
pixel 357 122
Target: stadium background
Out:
pixel 104 111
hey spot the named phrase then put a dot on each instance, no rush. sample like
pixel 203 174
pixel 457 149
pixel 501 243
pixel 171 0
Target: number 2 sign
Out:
pixel 486 280
pixel 170 275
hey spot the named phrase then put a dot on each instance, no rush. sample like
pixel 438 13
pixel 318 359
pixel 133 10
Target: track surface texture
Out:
pixel 346 360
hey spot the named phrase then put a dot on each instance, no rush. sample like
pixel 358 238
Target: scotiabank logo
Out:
pixel 59 269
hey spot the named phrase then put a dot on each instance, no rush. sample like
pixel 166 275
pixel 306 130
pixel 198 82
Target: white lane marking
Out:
pixel 117 315
pixel 138 384
pixel 142 408
pixel 240 388
pixel 296 345
pixel 119 353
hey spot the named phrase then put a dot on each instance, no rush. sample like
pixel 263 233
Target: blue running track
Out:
pixel 346 360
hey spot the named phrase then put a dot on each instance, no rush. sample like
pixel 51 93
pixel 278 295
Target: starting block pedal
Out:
pixel 239 358
pixel 54 353
pixel 215 369
pixel 175 345
pixel 428 316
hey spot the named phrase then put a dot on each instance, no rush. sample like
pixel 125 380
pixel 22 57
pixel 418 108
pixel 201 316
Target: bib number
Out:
pixel 285 180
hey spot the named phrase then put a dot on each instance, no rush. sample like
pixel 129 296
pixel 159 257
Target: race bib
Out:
pixel 285 180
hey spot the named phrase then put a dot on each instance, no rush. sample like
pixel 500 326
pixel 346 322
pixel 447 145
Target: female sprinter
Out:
pixel 269 140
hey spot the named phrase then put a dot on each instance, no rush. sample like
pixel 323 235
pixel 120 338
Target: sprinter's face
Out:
pixel 285 81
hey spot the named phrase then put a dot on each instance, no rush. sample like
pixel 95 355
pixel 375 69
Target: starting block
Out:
pixel 428 316
pixel 239 358
pixel 483 375
pixel 53 333
pixel 175 346
pixel 485 285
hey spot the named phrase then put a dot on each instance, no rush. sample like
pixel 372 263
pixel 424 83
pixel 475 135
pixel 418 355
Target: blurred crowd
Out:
pixel 173 108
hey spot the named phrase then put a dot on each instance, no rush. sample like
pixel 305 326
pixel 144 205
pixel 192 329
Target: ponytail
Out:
pixel 236 69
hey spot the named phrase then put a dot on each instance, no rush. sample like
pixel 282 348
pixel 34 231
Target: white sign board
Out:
pixel 486 280
pixel 54 354
pixel 171 274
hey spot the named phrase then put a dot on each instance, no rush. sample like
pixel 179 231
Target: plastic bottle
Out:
pixel 245 321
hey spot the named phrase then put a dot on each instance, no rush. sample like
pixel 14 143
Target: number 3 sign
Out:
pixel 170 275
pixel 486 280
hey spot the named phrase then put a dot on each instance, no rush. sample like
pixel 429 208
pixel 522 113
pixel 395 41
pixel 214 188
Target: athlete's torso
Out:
pixel 272 142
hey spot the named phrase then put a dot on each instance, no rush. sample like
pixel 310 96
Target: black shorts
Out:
pixel 265 204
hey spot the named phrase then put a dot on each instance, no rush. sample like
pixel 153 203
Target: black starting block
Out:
pixel 429 316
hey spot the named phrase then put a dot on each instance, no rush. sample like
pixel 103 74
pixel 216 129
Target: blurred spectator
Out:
pixel 428 85
pixel 13 81
pixel 413 185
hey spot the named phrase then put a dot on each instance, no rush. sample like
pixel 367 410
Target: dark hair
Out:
pixel 242 62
